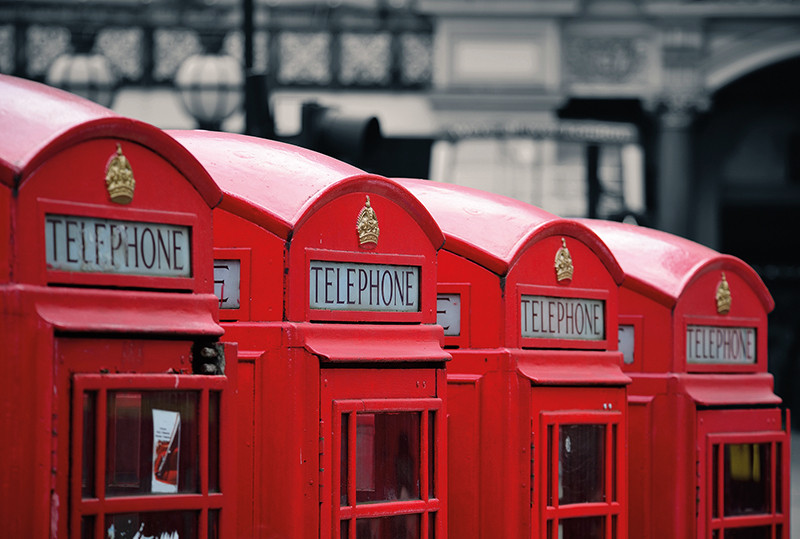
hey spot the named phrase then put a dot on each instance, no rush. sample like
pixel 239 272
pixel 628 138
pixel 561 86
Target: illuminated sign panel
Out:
pixel 715 344
pixel 350 286
pixel 547 317
pixel 92 245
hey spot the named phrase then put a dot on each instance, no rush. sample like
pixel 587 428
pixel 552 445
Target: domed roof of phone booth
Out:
pixel 278 186
pixel 494 230
pixel 38 121
pixel 663 265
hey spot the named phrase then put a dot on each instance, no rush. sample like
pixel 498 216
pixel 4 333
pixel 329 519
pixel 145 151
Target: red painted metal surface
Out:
pixel 515 399
pixel 79 325
pixel 691 387
pixel 324 374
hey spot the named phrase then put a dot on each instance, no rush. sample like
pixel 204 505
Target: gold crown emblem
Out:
pixel 723 296
pixel 563 264
pixel 119 178
pixel 367 225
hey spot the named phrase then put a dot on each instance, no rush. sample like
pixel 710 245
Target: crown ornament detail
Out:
pixel 723 296
pixel 367 225
pixel 119 178
pixel 563 265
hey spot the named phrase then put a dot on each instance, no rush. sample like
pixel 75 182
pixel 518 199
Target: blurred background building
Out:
pixel 683 115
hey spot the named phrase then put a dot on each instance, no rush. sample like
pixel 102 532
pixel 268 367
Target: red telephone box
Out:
pixel 116 400
pixel 536 395
pixel 709 446
pixel 327 280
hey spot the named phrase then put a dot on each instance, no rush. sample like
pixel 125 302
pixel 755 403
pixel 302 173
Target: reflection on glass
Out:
pixel 135 454
pixel 431 453
pixel 747 479
pixel 581 463
pixel 87 460
pixel 87 527
pixel 172 524
pixel 124 440
pixel 762 532
pixel 343 473
pixel 213 441
pixel 715 482
pixel 396 527
pixel 391 439
pixel 581 528
pixel 213 524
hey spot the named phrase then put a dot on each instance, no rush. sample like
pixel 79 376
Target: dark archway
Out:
pixel 748 187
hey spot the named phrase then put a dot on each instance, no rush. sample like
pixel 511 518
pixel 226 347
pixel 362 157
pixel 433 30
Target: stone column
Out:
pixel 674 192
pixel 681 98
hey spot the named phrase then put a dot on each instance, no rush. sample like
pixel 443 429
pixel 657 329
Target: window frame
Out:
pixel 99 505
pixel 611 510
pixel 426 505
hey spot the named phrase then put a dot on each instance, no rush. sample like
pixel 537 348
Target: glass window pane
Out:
pixel 387 456
pixel 213 441
pixel 581 528
pixel 747 479
pixel 88 444
pixel 581 463
pixel 172 524
pixel 431 453
pixel 762 532
pixel 152 442
pixel 343 468
pixel 715 481
pixel 778 478
pixel 87 527
pixel 344 529
pixel 124 440
pixel 550 430
pixel 213 524
pixel 401 526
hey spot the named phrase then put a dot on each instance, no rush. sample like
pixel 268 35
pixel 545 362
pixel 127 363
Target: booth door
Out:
pixel 144 452
pixel 578 471
pixel 743 464
pixel 385 457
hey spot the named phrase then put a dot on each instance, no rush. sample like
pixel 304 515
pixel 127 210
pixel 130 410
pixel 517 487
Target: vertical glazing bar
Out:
pixel 352 424
pixel 203 432
pixel 76 460
pixel 202 425
pixel 423 456
pixel 100 448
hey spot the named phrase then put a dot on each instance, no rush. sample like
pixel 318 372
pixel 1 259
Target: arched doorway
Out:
pixel 747 168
